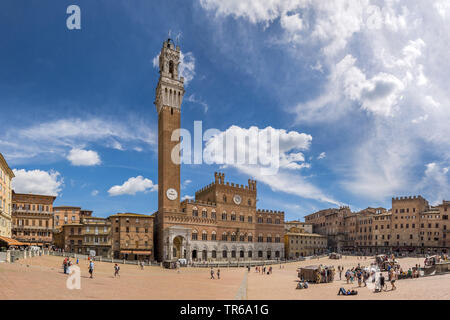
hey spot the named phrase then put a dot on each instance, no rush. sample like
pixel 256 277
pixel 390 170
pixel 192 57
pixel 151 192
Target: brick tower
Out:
pixel 169 96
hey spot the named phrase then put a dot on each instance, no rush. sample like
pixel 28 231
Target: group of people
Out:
pixel 263 269
pixel 217 273
pixel 325 274
pixel 358 273
pixel 67 264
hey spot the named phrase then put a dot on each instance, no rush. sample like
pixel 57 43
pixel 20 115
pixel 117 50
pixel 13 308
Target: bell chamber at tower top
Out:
pixel 170 89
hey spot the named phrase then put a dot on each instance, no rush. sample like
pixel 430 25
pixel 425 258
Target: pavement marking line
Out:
pixel 242 291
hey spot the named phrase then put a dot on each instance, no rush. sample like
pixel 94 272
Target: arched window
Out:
pixel 195 212
pixel 224 215
pixel 194 235
pixel 269 220
pixel 260 254
pixel 260 219
pixel 249 202
pixel 213 236
pixel 250 219
pixel 241 254
pixel 241 218
pixel 233 216
pixel 224 198
pixel 250 254
pixel 269 238
pixel 233 236
pixel 277 238
pixel 260 238
pixel 171 68
pixel 277 221
pixel 250 237
pixel 214 254
pixel 204 213
pixel 241 237
pixel 204 235
pixel 224 236
pixel 224 253
pixel 233 253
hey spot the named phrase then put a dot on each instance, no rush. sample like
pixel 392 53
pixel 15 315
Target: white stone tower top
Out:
pixel 170 89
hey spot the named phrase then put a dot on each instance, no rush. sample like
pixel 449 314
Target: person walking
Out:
pixel 69 263
pixel 212 273
pixel 65 265
pixel 382 282
pixel 392 276
pixel 91 269
pixel 116 270
pixel 218 274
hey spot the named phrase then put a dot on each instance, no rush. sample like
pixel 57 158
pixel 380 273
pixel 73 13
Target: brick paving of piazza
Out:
pixel 43 279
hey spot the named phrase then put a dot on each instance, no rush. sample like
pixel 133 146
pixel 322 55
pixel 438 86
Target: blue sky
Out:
pixel 367 81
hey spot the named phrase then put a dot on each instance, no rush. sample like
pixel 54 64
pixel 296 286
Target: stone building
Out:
pixel 412 225
pixel 32 217
pixel 90 236
pixel 132 236
pixel 6 175
pixel 298 244
pixel 222 223
pixel 302 226
pixel 68 215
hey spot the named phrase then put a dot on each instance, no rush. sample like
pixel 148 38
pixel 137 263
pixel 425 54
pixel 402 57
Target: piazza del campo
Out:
pixel 221 235
pixel 224 159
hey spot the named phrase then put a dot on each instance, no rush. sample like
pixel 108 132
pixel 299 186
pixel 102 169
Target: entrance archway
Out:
pixel 204 255
pixel 194 254
pixel 177 247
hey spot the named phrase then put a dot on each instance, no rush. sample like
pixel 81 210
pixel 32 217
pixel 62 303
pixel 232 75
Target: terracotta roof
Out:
pixel 11 242
pixel 131 215
pixel 304 234
pixel 8 169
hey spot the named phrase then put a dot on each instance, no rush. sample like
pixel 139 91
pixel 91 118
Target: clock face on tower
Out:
pixel 171 194
pixel 237 199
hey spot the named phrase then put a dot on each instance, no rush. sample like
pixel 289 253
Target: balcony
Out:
pixel 92 243
pixel 34 212
pixel 40 228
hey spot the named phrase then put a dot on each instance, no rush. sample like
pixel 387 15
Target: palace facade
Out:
pixel 6 175
pixel 412 225
pixel 222 222
pixel 32 217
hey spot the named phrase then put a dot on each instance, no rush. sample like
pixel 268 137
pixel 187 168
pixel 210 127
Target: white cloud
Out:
pixel 385 64
pixel 132 186
pixel 436 182
pixel 323 155
pixel 187 197
pixel 186 183
pixel 80 157
pixel 193 99
pixel 94 193
pixel 53 140
pixel 37 182
pixel 186 68
pixel 288 178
